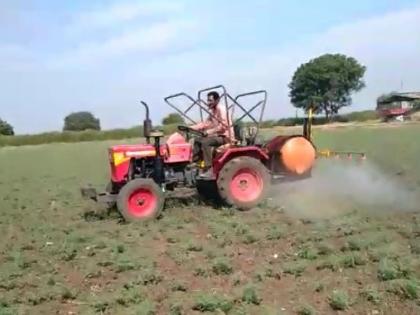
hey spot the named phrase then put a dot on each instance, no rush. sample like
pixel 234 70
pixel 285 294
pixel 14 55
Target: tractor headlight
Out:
pixel 118 158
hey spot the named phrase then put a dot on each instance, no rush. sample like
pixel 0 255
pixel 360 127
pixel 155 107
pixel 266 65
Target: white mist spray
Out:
pixel 338 187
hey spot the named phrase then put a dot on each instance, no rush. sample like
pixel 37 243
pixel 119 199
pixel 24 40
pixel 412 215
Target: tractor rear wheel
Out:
pixel 140 199
pixel 243 182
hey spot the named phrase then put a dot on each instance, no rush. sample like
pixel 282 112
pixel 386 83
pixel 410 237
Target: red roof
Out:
pixel 394 111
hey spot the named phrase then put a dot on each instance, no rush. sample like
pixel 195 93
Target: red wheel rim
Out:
pixel 142 202
pixel 246 185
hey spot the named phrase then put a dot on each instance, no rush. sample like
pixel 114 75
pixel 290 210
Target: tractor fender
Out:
pixel 227 155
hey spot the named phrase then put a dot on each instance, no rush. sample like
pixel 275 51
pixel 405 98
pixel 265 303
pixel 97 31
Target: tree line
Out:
pixel 323 84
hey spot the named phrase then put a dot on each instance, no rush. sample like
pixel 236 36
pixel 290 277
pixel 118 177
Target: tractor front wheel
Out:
pixel 243 182
pixel 140 199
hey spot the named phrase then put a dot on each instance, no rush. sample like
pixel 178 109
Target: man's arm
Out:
pixel 202 125
pixel 220 128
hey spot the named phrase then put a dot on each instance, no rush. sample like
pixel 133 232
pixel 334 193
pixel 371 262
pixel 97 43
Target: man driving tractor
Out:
pixel 217 131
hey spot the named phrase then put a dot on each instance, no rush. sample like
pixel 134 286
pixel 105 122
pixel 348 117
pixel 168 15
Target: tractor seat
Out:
pixel 222 148
pixel 238 134
pixel 156 134
pixel 226 146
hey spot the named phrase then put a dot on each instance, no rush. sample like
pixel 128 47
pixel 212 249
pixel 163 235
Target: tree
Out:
pixel 173 118
pixel 326 83
pixel 6 129
pixel 81 121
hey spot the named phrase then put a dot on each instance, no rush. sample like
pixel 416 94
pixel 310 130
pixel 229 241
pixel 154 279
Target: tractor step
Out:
pixel 206 179
pixel 91 194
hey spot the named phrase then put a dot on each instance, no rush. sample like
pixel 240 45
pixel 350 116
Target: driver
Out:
pixel 216 131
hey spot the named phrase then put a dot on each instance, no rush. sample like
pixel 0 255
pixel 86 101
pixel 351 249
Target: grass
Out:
pixel 250 296
pixel 125 264
pixel 211 303
pixel 146 307
pixel 391 270
pixel 295 268
pixel 149 277
pixel 100 307
pixel 60 252
pixel 200 272
pixel 324 249
pixel 179 286
pixel 306 310
pixel 130 295
pixel 275 233
pixel 339 300
pixel 193 247
pixel 307 253
pixel 176 309
pixel 249 239
pixel 415 247
pixel 331 262
pixel 406 289
pixel 222 267
pixel 353 260
pixel 372 295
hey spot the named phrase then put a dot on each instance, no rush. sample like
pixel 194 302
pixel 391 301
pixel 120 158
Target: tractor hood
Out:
pixel 135 150
pixel 121 155
pixel 175 150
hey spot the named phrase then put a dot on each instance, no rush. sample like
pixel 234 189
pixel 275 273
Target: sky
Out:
pixel 58 57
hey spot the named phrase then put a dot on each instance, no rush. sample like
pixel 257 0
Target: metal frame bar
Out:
pixel 202 105
pixel 182 113
pixel 217 87
pixel 230 109
pixel 247 113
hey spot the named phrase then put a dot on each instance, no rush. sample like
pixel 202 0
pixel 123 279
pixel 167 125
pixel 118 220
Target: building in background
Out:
pixel 398 106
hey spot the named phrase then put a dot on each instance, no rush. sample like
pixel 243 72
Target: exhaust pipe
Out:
pixel 147 123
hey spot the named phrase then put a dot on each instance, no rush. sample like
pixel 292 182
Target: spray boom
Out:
pixel 341 154
pixel 307 133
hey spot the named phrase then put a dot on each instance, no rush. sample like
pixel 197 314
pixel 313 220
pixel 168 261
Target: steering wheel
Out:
pixel 191 131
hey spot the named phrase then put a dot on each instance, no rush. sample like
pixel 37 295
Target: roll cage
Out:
pixel 233 105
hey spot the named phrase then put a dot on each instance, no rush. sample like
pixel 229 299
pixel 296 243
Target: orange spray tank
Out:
pixel 291 155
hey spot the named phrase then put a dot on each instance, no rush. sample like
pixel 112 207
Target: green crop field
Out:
pixel 345 242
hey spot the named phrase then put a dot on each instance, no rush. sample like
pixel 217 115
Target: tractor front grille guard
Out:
pixel 230 109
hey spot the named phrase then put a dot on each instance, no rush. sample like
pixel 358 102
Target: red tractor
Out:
pixel 243 169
